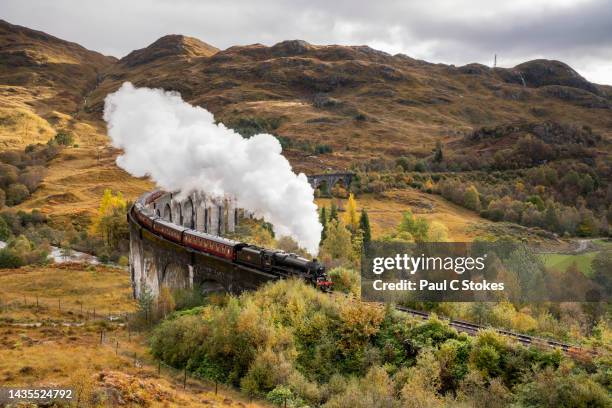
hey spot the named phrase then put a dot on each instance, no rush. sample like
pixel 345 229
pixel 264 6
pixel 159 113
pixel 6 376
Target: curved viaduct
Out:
pixel 156 261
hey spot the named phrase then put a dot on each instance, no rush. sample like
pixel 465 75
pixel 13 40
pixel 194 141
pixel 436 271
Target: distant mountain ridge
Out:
pixel 360 101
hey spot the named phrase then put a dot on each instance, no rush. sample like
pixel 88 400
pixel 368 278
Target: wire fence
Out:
pixel 115 330
pixel 81 311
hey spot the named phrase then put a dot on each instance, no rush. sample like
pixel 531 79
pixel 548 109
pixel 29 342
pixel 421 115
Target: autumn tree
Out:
pixel 109 223
pixel 438 232
pixel 337 244
pixel 351 219
pixel 471 198
pixel 417 227
pixel 262 236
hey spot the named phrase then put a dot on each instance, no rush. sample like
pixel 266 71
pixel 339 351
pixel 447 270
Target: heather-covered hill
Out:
pixel 362 102
pixel 43 83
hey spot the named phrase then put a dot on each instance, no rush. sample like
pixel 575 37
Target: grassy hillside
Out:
pixel 46 342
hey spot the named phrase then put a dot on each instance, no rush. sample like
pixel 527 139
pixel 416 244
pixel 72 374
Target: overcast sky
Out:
pixel 578 32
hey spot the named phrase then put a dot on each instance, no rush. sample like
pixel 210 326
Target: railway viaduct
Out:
pixel 330 180
pixel 156 262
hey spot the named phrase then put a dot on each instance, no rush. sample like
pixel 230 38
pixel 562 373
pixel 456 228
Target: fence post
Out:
pixel 158 367
pixel 185 378
pixel 117 347
pixel 59 304
pixel 101 334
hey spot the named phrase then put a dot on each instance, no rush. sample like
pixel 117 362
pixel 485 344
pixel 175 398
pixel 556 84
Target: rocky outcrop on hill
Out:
pixel 543 72
pixel 169 46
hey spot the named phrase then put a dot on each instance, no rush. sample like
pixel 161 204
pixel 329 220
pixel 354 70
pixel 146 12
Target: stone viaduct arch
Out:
pixel 167 213
pixel 188 213
pixel 330 180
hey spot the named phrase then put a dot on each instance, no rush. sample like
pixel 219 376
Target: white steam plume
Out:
pixel 181 148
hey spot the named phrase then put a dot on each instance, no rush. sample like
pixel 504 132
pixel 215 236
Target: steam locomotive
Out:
pixel 276 262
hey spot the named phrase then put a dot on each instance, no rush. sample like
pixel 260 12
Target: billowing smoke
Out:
pixel 181 148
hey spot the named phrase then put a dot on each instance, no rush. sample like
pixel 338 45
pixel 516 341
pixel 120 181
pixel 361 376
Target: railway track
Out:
pixel 472 329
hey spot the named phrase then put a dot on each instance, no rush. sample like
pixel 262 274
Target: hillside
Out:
pixel 43 84
pixel 362 104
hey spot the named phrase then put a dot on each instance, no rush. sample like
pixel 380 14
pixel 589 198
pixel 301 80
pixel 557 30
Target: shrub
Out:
pixel 16 194
pixel 32 177
pixel 8 259
pixel 415 226
pixel 123 261
pixel 5 231
pixel 562 388
pixel 64 139
pixel 345 280
pixel 290 343
pixel 8 175
pixel 322 149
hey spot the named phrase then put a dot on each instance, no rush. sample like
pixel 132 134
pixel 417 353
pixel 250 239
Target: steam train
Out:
pixel 275 262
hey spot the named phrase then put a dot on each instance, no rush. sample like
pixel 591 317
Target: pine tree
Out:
pixel 350 216
pixel 551 217
pixel 323 221
pixel 438 154
pixel 364 225
pixel 333 213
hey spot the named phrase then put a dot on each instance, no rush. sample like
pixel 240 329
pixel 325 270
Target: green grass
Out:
pixel 603 243
pixel 561 262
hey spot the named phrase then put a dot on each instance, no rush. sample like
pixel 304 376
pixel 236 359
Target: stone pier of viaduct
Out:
pixel 156 261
